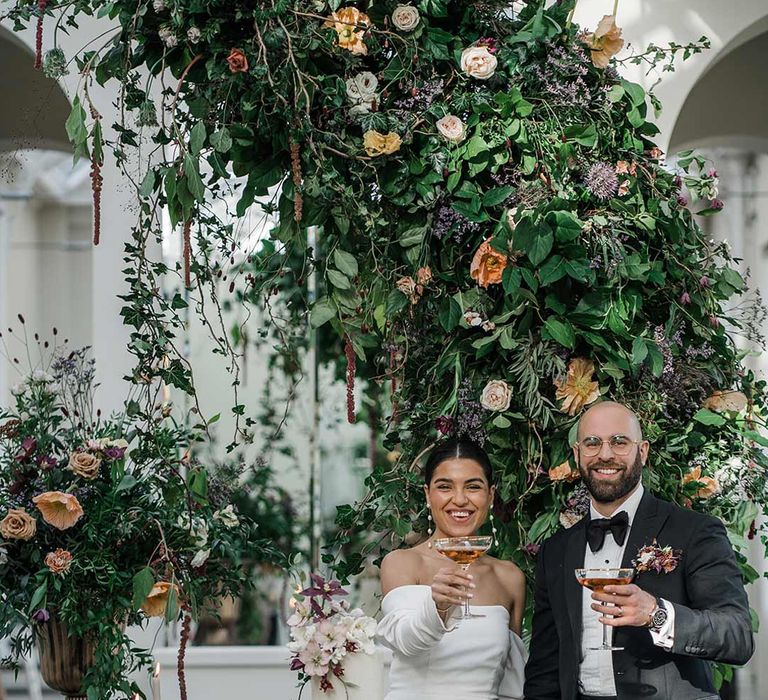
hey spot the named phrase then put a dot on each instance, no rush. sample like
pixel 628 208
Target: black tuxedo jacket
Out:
pixel 712 621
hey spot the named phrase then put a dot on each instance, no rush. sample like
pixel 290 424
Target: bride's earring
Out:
pixel 494 530
pixel 429 526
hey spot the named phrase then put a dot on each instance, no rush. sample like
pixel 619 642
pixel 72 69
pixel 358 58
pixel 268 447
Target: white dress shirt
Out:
pixel 596 668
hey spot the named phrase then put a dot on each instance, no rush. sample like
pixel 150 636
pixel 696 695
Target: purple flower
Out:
pixel 682 201
pixel 531 549
pixel 716 204
pixel 678 181
pixel 41 616
pixel 601 180
pixel 712 172
pixel 705 282
pixel 323 588
pixel 46 463
pixel 114 452
pixel 685 298
pixel 444 424
pixel 714 321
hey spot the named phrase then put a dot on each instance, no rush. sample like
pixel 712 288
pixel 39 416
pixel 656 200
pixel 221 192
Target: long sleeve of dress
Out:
pixel 410 625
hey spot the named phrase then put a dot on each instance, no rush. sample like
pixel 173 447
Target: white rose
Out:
pixel 472 319
pixel 478 62
pixel 168 37
pixel 496 395
pixel 362 87
pixel 451 128
pixel 405 18
pixel 200 558
pixel 19 389
pixel 193 35
pixel 227 517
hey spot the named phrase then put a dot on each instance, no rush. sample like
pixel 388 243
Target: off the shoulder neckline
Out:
pixel 423 585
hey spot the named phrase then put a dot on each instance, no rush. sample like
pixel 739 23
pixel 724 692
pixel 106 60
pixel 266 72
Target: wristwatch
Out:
pixel 659 616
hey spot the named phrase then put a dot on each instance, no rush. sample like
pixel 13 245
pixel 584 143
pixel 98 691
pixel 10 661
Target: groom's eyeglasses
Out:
pixel 620 445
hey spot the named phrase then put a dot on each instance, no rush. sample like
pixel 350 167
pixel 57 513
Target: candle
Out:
pixel 156 682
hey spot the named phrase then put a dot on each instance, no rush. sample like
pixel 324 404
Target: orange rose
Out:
pixel 423 275
pixel 62 510
pixel 237 61
pixel 578 389
pixel 350 25
pixel 155 603
pixel 59 561
pixel 85 464
pixel 18 525
pixel 563 472
pixel 709 487
pixel 487 265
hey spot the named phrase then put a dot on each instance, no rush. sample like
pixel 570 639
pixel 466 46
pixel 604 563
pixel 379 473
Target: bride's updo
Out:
pixel 455 448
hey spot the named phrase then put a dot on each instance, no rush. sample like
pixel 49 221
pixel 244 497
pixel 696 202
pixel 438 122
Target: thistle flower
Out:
pixel 601 180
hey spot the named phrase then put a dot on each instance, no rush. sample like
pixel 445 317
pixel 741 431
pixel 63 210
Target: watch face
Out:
pixel 659 618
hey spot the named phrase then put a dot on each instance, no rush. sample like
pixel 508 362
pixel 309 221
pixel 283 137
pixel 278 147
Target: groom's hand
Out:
pixel 631 606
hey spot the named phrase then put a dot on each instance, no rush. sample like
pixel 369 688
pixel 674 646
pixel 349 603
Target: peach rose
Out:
pixel 18 525
pixel 423 275
pixel 155 603
pixel 709 486
pixel 377 144
pixel 408 287
pixel 237 61
pixel 563 472
pixel 350 25
pixel 605 42
pixel 726 401
pixel 85 464
pixel 62 510
pixel 496 396
pixel 478 62
pixel 487 265
pixel 451 128
pixel 59 561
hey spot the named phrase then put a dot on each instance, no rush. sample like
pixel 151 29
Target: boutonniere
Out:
pixel 662 560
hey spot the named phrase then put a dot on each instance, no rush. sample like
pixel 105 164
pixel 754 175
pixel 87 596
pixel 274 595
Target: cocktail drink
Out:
pixel 464 550
pixel 597 580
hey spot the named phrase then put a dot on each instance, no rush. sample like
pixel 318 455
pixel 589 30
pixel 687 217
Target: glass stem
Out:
pixel 606 642
pixel 465 567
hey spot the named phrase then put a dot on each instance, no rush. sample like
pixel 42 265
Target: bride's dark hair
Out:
pixel 455 448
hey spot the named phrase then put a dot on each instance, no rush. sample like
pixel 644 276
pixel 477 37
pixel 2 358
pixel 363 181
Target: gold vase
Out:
pixel 64 660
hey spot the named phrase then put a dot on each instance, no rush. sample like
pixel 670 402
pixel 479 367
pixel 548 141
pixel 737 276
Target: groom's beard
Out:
pixel 608 492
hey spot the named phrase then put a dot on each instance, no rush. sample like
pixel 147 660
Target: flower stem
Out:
pixel 615 8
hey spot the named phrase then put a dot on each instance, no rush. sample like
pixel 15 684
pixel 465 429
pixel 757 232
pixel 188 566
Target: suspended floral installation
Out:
pixel 500 240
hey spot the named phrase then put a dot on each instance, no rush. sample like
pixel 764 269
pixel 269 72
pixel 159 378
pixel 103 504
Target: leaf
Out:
pixel 449 314
pixel 345 262
pixel 197 138
pixel 511 279
pixel 38 596
pixel 639 351
pixel 476 146
pixel 412 236
pixel 707 417
pixel 552 270
pixel 221 140
pixel 337 279
pixel 497 195
pixel 584 135
pixel 322 312
pixel 635 92
pixel 535 240
pixel 396 301
pixel 143 582
pixel 194 181
pixel 501 422
pixel 560 331
pixel 567 225
pixel 126 483
pixel 76 131
pixel 147 184
pixel 172 605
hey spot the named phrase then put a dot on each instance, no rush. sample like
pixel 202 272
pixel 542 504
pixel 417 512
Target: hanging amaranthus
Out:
pixel 185 629
pixel 351 369
pixel 296 170
pixel 187 253
pixel 96 183
pixel 41 5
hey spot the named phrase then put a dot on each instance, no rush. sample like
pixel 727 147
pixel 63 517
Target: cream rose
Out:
pixel 362 87
pixel 451 128
pixel 478 62
pixel 85 464
pixel 405 18
pixel 18 525
pixel 496 395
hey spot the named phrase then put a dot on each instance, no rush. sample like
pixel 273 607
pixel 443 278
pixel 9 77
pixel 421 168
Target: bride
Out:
pixel 436 654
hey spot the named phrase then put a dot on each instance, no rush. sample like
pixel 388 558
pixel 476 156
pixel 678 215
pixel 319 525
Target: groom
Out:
pixel 671 624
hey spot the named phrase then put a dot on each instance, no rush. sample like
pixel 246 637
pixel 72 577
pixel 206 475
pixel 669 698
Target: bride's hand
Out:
pixel 450 587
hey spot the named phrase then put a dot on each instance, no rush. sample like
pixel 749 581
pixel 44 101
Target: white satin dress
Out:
pixel 476 659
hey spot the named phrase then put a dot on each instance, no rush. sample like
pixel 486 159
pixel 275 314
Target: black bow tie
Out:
pixel 617 525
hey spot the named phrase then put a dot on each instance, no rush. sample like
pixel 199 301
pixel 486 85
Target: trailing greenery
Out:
pixel 500 241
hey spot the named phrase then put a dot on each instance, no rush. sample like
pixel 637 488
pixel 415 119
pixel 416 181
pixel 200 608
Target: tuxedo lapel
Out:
pixel 649 518
pixel 574 559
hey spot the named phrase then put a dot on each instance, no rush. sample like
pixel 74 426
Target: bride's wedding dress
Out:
pixel 476 659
